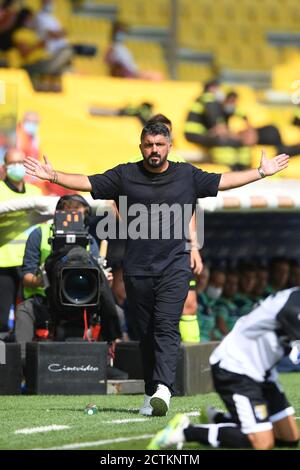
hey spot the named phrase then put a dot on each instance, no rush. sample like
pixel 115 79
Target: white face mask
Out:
pixel 214 292
pixel 219 96
pixel 15 171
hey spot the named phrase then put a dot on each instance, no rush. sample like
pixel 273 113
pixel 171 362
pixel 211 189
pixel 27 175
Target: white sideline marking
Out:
pixel 80 445
pixel 193 413
pixel 138 420
pixel 52 427
pixel 121 421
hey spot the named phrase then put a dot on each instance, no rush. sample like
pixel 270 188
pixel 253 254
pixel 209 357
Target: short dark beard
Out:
pixel 157 164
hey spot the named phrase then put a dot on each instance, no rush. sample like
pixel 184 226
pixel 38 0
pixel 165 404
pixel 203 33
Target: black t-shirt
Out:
pixel 178 187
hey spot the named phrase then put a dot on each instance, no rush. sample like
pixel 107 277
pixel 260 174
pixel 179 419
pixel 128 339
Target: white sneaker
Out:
pixel 171 435
pixel 146 409
pixel 160 401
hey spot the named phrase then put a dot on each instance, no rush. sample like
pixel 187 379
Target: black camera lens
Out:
pixel 79 286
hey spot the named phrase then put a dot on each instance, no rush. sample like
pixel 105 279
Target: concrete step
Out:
pixel 125 387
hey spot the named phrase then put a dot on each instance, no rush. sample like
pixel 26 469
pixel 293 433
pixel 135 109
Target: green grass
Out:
pixel 18 412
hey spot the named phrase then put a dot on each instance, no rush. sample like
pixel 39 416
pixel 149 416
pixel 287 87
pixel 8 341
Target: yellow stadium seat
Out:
pixel 148 55
pixel 193 71
pixel 32 4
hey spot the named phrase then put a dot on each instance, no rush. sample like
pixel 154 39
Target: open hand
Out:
pixel 36 168
pixel 273 165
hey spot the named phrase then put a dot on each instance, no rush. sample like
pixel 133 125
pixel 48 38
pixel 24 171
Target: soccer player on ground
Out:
pixel 259 415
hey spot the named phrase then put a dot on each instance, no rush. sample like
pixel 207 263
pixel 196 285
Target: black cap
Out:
pixel 73 197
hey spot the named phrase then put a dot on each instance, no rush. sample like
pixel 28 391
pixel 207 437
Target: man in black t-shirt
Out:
pixel 156 199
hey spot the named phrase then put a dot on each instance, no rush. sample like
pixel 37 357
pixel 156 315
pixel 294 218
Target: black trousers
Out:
pixel 270 135
pixel 212 141
pixel 9 286
pixel 157 304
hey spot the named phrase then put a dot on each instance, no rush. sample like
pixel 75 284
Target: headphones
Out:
pixel 74 197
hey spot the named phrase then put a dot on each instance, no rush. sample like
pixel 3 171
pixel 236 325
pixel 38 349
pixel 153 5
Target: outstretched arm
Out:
pixel 45 171
pixel 267 167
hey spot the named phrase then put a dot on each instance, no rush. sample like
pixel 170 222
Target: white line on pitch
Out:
pixel 138 420
pixel 80 445
pixel 125 421
pixel 52 427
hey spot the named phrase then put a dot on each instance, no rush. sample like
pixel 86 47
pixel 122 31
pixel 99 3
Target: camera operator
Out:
pixel 34 312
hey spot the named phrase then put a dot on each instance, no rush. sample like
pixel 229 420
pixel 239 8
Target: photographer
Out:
pixel 34 312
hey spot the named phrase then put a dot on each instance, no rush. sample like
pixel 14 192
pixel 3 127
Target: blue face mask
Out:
pixel 48 8
pixel 120 36
pixel 3 151
pixel 15 171
pixel 31 127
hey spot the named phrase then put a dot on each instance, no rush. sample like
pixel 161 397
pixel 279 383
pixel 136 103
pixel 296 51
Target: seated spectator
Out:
pixel 226 309
pixel 265 135
pixel 8 15
pixel 120 60
pixel 27 134
pixel 206 125
pixel 247 280
pixel 259 292
pixel 31 49
pixel 294 279
pixel 279 275
pixel 50 29
pixel 210 288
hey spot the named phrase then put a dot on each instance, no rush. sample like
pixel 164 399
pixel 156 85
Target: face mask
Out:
pixel 229 108
pixel 214 292
pixel 120 36
pixel 15 171
pixel 31 127
pixel 219 95
pixel 3 151
pixel 48 8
